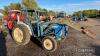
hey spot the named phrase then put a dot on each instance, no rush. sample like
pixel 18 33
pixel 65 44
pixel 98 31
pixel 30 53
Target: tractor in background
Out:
pixel 12 18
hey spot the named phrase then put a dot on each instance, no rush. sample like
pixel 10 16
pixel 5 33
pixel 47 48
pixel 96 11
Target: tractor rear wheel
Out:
pixel 49 44
pixel 21 34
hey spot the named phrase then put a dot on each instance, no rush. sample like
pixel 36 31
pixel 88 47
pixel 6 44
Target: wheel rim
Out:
pixel 48 44
pixel 18 35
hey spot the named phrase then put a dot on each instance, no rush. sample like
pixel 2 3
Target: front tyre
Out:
pixel 21 34
pixel 49 44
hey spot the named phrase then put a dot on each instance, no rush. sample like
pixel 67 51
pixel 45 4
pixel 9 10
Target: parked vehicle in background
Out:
pixel 78 18
pixel 61 15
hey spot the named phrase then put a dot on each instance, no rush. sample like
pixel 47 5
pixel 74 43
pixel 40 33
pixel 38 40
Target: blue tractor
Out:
pixel 49 33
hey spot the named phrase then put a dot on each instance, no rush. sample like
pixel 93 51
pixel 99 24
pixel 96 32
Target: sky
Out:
pixel 69 6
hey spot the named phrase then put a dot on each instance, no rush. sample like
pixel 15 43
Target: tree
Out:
pixel 5 11
pixel 51 13
pixel 13 6
pixel 93 13
pixel 30 4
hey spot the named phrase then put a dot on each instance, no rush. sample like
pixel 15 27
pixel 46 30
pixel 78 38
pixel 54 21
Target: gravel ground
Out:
pixel 76 44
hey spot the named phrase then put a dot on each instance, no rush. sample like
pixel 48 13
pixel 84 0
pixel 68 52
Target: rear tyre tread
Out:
pixel 26 35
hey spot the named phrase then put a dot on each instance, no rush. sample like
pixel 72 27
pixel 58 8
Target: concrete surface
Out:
pixel 76 44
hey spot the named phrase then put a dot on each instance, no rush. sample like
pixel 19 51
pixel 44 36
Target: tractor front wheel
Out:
pixel 49 44
pixel 21 34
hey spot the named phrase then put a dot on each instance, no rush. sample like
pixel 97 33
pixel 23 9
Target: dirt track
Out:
pixel 75 42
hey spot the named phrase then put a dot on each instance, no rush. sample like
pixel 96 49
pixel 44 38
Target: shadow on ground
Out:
pixel 36 41
pixel 3 49
pixel 97 50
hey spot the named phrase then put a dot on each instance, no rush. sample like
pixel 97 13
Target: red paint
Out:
pixel 10 24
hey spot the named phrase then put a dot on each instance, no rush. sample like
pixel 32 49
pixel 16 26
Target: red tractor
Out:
pixel 13 17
